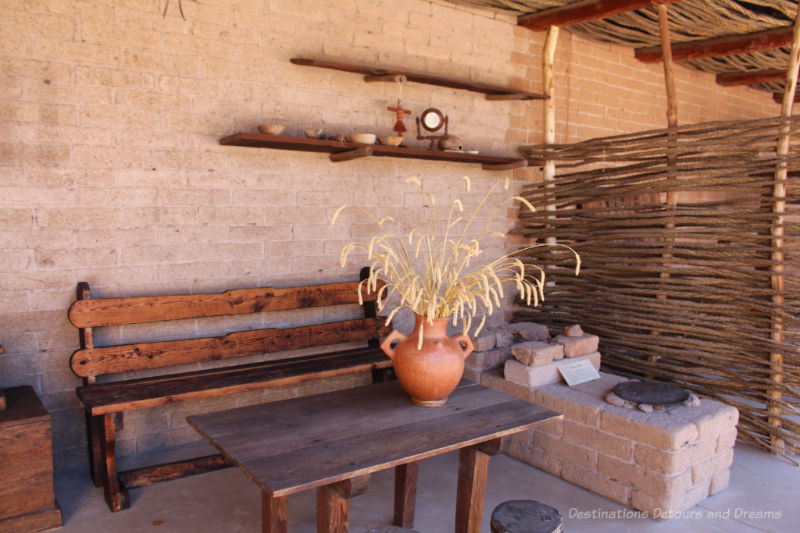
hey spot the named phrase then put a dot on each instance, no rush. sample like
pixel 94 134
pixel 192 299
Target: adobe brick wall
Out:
pixel 112 173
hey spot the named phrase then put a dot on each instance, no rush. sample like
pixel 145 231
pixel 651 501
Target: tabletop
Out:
pixel 302 443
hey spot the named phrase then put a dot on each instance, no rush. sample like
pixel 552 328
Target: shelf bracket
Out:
pixel 520 163
pixel 349 155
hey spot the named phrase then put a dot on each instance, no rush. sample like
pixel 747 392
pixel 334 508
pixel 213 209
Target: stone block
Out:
pixel 575 346
pixel 536 376
pixel 535 457
pixel 666 508
pixel 574 330
pixel 719 481
pixel 562 399
pixel 711 417
pixel 485 341
pixel 601 441
pixel 503 338
pixel 726 440
pixel 495 380
pixel 490 359
pixel 472 373
pixel 529 331
pixel 658 430
pixel 666 462
pixel 598 387
pixel 536 353
pixel 596 483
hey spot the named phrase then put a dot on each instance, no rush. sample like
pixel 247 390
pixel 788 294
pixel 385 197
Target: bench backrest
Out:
pixel 86 313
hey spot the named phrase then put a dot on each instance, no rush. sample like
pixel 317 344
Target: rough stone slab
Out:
pixel 530 331
pixel 489 359
pixel 484 341
pixel 536 376
pixel 575 330
pixel 536 353
pixel 575 346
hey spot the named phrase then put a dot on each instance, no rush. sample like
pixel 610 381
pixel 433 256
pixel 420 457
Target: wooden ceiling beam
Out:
pixel 583 11
pixel 720 46
pixel 729 79
pixel 778 97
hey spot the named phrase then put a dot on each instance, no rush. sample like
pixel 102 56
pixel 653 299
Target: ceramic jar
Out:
pixel 428 374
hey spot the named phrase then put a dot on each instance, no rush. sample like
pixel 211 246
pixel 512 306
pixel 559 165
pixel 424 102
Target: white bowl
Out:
pixel 391 140
pixel 364 138
pixel 314 133
pixel 271 129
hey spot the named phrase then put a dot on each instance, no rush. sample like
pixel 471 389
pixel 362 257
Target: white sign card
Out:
pixel 578 372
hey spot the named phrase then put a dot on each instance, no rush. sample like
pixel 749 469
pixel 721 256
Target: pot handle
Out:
pixel 466 340
pixel 386 345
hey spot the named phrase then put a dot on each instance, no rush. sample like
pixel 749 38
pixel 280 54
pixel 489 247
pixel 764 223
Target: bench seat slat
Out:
pixel 92 313
pixel 127 395
pixel 142 356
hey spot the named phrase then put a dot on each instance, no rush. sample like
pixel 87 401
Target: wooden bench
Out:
pixel 105 402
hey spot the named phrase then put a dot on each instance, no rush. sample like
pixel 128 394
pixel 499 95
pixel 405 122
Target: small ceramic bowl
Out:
pixel 314 133
pixel 271 129
pixel 391 140
pixel 364 138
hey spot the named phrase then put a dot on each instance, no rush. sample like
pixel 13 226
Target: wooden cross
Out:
pixel 399 125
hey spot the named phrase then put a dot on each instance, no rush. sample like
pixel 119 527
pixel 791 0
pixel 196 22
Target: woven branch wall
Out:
pixel 681 292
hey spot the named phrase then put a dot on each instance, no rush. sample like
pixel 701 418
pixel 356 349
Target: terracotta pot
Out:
pixel 429 374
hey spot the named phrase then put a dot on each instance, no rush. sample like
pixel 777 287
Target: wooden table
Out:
pixel 326 440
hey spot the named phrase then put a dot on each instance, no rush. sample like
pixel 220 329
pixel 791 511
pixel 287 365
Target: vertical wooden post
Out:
pixel 274 513
pixel 405 494
pixel 548 83
pixel 333 507
pixel 779 212
pixel 473 466
pixel 672 122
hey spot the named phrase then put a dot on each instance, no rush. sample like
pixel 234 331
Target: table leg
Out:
pixel 274 513
pixel 473 466
pixel 333 507
pixel 405 494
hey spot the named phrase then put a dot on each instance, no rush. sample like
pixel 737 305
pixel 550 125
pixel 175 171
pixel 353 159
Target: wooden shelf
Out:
pixel 344 151
pixel 492 92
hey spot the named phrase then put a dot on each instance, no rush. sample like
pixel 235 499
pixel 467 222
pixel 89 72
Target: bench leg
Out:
pixel 274 513
pixel 94 429
pixel 116 495
pixel 405 494
pixel 473 466
pixel 333 507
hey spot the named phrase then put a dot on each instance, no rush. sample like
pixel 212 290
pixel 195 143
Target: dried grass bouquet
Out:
pixel 436 270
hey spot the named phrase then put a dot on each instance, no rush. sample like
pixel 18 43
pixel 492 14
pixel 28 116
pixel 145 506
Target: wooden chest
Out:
pixel 27 502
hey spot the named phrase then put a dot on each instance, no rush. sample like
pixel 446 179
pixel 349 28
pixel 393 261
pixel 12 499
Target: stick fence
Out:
pixel 682 292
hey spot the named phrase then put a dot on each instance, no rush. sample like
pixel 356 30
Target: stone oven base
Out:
pixel 660 463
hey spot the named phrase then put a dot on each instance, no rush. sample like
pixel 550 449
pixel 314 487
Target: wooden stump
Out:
pixel 525 516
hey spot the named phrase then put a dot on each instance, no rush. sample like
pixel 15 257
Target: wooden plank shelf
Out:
pixel 345 151
pixel 374 73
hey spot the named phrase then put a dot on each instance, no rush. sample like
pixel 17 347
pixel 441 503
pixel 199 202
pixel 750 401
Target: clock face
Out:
pixel 432 119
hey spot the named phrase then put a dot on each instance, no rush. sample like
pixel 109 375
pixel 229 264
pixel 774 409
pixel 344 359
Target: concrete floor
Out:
pixel 764 495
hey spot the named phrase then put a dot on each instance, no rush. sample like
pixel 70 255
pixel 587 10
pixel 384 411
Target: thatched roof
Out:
pixel 689 20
